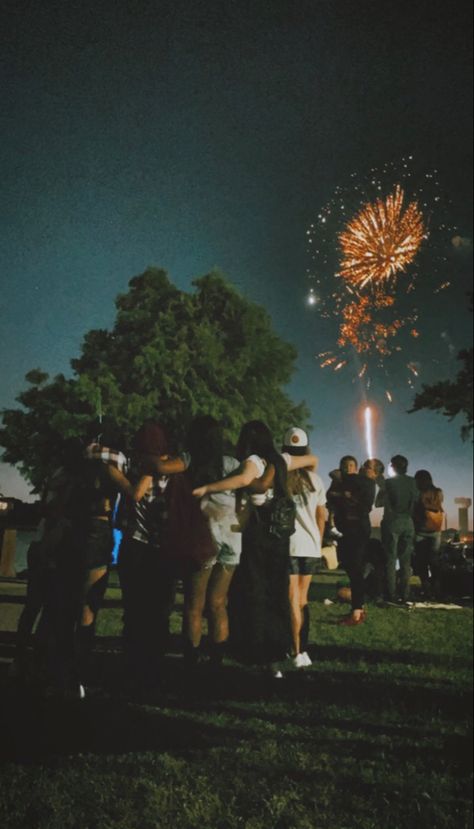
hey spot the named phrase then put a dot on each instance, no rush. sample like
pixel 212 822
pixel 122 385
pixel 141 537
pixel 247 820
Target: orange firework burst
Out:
pixel 381 240
pixel 361 329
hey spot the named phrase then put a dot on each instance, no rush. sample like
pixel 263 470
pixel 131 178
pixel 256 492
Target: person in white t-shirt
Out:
pixel 308 492
pixel 260 611
pixel 211 582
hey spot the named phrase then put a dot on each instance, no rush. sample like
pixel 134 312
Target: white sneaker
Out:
pixel 307 659
pixel 277 675
pixel 81 692
pixel 299 660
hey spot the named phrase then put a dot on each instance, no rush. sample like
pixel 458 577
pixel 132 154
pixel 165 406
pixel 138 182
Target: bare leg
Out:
pixel 217 601
pixel 94 589
pixel 295 613
pixel 194 603
pixel 304 585
pixel 299 587
pixel 89 613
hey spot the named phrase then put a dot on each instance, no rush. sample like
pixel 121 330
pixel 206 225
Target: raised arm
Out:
pixel 135 492
pixel 302 462
pixel 243 477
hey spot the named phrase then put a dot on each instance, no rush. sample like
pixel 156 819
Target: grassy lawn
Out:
pixel 375 735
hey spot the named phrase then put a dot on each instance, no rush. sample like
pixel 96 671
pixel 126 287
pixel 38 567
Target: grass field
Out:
pixel 376 734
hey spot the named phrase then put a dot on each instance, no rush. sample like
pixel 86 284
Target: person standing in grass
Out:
pixel 398 496
pixel 206 579
pixel 147 575
pixel 260 618
pixel 428 518
pixel 101 478
pixel 206 461
pixel 351 497
pixel 307 490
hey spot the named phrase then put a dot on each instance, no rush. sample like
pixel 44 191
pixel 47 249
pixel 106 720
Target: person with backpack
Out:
pixel 428 517
pixel 260 627
pixel 307 490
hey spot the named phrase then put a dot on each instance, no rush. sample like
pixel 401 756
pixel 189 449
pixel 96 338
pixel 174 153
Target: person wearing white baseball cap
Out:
pixel 307 490
pixel 259 607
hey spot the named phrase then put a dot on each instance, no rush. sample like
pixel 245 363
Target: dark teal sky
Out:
pixel 193 135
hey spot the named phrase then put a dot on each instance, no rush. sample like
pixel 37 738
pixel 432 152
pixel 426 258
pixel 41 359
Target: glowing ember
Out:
pixel 361 329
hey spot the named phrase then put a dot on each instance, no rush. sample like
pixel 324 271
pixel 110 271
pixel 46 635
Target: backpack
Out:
pixel 281 511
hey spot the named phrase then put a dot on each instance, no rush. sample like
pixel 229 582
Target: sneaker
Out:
pixel 81 692
pixel 307 659
pixel 300 660
pixel 277 675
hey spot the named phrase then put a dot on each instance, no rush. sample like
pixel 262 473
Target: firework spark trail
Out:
pixel 381 240
pixel 368 432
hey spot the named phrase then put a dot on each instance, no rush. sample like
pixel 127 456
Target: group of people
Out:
pixel 410 528
pixel 243 534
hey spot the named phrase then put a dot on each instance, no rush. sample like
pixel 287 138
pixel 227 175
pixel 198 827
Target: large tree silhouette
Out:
pixel 170 355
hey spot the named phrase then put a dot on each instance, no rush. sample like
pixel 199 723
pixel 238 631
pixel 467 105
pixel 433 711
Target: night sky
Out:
pixel 198 135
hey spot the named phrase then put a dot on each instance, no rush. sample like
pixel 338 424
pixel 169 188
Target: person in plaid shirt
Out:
pixel 101 479
pixel 146 573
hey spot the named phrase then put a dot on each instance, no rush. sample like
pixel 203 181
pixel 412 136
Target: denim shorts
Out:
pixel 226 557
pixel 304 565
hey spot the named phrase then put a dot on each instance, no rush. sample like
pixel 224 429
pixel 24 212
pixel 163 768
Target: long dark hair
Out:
pixel 423 480
pixel 256 439
pixel 299 481
pixel 205 444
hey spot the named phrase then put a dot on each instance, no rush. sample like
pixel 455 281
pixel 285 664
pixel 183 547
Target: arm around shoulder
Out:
pixel 301 462
pixel 247 473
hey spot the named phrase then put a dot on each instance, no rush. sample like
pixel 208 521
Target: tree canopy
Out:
pixel 170 355
pixel 451 397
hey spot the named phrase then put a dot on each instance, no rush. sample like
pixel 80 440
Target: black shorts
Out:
pixel 97 544
pixel 304 565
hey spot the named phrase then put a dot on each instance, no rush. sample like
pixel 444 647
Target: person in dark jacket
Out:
pixel 398 495
pixel 350 497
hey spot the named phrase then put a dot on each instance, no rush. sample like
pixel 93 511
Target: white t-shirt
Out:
pixel 219 507
pixel 306 539
pixel 258 499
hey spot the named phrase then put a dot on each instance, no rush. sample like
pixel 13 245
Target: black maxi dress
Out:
pixel 259 607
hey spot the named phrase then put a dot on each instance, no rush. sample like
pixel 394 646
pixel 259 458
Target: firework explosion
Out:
pixel 382 240
pixel 364 240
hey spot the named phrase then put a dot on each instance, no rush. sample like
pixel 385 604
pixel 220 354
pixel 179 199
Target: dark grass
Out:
pixel 376 734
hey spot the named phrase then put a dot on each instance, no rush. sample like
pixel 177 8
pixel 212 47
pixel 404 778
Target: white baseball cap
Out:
pixel 296 438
